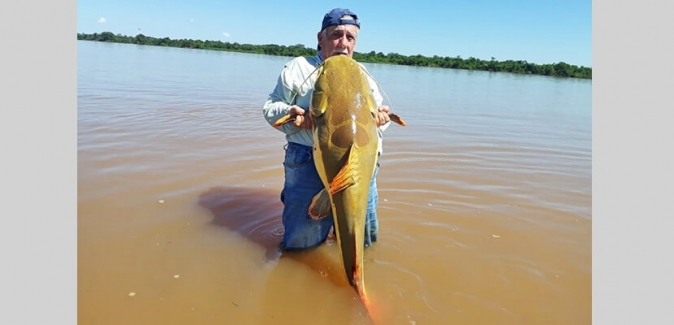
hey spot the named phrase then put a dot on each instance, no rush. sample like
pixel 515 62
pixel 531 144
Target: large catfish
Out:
pixel 346 144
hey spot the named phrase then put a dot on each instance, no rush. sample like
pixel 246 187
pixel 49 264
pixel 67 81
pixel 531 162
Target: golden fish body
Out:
pixel 346 144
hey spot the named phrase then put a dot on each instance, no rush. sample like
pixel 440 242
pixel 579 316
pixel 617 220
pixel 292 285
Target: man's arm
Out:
pixel 382 118
pixel 278 103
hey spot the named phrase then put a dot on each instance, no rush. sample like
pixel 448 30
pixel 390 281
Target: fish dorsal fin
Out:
pixel 348 175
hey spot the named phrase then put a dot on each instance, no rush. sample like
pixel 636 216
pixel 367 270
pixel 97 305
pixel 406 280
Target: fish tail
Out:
pixel 373 312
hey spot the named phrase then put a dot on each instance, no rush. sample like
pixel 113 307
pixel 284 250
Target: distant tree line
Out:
pixel 559 69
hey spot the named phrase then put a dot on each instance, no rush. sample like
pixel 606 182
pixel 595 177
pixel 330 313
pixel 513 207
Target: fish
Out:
pixel 346 145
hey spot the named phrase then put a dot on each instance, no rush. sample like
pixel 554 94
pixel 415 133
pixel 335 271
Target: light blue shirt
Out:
pixel 295 86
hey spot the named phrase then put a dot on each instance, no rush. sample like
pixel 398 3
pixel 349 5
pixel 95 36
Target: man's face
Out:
pixel 340 39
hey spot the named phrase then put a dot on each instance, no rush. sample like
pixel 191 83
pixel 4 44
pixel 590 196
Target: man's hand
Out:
pixel 382 115
pixel 302 118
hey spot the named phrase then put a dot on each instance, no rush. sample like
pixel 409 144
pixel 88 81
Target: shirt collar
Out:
pixel 319 59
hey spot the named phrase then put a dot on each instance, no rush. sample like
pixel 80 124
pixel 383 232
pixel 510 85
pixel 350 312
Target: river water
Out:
pixel 485 197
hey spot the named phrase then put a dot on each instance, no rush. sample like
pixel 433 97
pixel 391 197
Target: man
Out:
pixel 292 94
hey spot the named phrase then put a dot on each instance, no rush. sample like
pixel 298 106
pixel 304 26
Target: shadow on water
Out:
pixel 253 213
pixel 256 215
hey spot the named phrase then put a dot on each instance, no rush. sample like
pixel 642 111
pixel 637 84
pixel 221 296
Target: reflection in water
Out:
pixel 485 198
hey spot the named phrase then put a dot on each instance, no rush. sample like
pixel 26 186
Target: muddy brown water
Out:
pixel 485 198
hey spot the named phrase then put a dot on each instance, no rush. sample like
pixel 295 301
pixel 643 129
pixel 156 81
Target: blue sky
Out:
pixel 538 31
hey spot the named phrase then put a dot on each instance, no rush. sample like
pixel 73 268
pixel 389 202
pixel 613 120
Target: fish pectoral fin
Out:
pixel 319 103
pixel 397 119
pixel 320 205
pixel 348 175
pixel 285 119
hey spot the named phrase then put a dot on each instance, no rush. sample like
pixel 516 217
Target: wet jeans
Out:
pixel 301 184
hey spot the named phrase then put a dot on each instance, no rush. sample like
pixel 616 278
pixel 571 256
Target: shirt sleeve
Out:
pixel 374 87
pixel 279 101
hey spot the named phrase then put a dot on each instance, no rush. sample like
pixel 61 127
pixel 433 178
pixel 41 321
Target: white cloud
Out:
pixel 101 20
pixel 226 34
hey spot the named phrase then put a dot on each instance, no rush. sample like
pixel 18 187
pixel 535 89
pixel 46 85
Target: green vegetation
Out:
pixel 560 69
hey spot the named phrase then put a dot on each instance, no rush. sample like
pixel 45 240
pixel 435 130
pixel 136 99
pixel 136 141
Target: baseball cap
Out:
pixel 334 17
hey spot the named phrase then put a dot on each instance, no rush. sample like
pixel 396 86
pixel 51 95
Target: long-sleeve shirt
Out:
pixel 294 87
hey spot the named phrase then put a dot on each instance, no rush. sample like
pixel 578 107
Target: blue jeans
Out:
pixel 301 184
